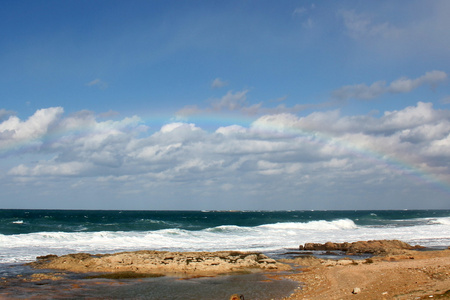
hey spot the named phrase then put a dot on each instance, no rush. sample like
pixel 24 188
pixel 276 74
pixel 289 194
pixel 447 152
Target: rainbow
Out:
pixel 394 164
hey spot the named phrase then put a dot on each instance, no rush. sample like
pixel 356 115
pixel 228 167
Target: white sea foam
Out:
pixel 314 225
pixel 269 237
pixel 443 221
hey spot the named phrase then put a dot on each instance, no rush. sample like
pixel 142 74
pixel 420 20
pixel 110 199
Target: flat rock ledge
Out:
pixel 376 247
pixel 161 262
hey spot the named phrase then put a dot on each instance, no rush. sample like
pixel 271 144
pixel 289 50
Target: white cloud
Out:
pixel 361 25
pixel 302 12
pixel 299 11
pixel 49 169
pixel 98 83
pixel 419 32
pixel 173 126
pixel 410 117
pixel 218 83
pixel 231 130
pixel 376 89
pixel 14 132
pixel 279 123
pixel 277 154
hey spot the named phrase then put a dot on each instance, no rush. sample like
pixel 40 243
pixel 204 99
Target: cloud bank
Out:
pixel 280 159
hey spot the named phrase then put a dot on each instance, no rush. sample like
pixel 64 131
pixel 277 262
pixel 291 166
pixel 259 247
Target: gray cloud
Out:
pixel 237 102
pixel 400 85
pixel 231 101
pixel 4 114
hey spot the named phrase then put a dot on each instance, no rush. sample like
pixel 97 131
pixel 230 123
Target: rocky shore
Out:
pixel 161 262
pixel 394 270
pixel 375 247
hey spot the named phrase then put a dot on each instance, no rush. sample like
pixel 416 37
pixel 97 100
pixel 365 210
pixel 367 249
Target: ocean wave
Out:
pixel 267 237
pixel 422 221
pixel 228 229
pixel 440 221
pixel 159 222
pixel 314 225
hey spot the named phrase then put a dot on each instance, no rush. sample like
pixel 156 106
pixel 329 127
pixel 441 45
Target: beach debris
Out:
pixel 356 290
pixel 237 297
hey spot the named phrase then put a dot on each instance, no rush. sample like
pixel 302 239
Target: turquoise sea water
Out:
pixel 25 234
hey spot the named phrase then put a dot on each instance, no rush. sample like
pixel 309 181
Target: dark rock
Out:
pixel 46 257
pixel 376 247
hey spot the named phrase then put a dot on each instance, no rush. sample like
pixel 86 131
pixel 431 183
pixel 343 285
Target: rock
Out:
pixel 376 247
pixel 356 290
pixel 46 257
pixel 161 262
pixel 46 276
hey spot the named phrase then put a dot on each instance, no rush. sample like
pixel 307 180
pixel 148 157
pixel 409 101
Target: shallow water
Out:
pixel 16 284
pixel 252 286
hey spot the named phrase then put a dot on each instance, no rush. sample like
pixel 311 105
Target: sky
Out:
pixel 227 105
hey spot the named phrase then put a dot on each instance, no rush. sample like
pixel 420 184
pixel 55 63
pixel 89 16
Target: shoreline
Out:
pixel 393 270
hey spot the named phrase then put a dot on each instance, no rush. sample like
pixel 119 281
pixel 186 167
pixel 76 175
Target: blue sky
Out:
pixel 224 105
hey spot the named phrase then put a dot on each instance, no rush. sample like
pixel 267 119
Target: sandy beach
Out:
pixel 395 271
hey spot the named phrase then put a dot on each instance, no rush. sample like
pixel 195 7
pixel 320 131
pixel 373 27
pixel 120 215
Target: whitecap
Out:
pixel 314 225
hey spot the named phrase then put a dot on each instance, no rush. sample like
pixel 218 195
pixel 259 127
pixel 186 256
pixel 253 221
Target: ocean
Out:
pixel 26 234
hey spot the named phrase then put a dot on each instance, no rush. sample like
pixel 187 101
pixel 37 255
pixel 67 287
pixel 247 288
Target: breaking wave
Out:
pixel 268 237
